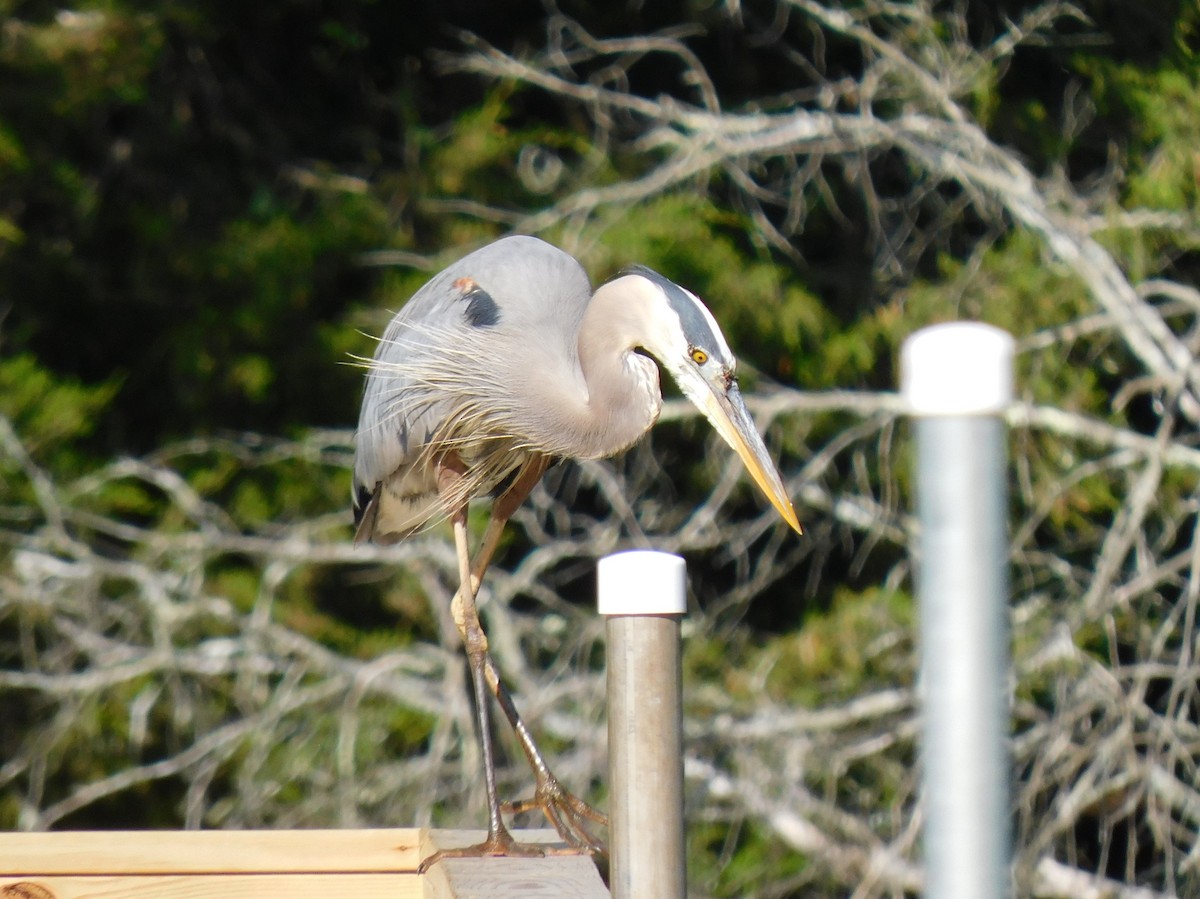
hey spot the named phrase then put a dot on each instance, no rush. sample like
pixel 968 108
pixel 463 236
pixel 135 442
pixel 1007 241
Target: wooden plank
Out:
pixel 366 864
pixel 209 851
pixel 565 876
pixel 217 886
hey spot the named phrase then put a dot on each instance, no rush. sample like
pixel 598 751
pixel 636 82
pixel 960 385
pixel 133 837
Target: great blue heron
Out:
pixel 501 363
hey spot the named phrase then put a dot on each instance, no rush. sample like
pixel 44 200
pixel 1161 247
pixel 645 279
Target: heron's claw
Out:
pixel 566 812
pixel 501 845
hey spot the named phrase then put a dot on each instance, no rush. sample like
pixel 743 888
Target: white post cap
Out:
pixel 642 582
pixel 959 368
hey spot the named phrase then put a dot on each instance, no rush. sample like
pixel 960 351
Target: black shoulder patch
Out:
pixel 482 311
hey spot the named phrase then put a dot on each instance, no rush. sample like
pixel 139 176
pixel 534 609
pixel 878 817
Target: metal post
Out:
pixel 957 380
pixel 644 596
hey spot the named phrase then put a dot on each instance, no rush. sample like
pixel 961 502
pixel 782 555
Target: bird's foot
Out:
pixel 567 812
pixel 500 845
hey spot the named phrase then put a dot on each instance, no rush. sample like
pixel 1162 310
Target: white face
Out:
pixel 681 333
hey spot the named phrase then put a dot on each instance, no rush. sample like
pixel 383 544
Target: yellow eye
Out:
pixel 698 355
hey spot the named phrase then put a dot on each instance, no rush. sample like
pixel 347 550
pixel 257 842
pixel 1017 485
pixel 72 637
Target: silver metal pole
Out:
pixel 957 380
pixel 644 595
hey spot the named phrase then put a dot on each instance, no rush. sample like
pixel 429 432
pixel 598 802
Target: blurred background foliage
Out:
pixel 206 208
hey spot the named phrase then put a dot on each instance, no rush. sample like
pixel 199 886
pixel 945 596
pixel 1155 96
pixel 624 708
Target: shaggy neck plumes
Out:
pixel 619 397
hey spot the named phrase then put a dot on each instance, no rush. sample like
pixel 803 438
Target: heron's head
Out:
pixel 682 334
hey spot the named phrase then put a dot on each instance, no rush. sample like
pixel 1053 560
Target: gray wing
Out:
pixel 450 355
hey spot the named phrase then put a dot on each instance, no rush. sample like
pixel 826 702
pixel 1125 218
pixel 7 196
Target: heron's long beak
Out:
pixel 726 411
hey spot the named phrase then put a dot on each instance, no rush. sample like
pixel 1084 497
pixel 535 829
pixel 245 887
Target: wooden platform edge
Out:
pixel 231 864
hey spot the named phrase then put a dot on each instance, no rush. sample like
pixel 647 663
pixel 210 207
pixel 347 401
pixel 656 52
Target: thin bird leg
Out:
pixel 565 811
pixel 562 808
pixel 499 841
pixel 503 509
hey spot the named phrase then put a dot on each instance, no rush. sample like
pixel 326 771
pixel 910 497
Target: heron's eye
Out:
pixel 698 355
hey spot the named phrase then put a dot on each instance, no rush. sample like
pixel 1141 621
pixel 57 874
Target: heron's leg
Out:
pixel 562 808
pixel 499 841
pixel 505 506
pixel 476 646
pixel 565 811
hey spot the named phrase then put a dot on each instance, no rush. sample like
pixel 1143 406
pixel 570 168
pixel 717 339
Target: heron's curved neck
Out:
pixel 623 395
